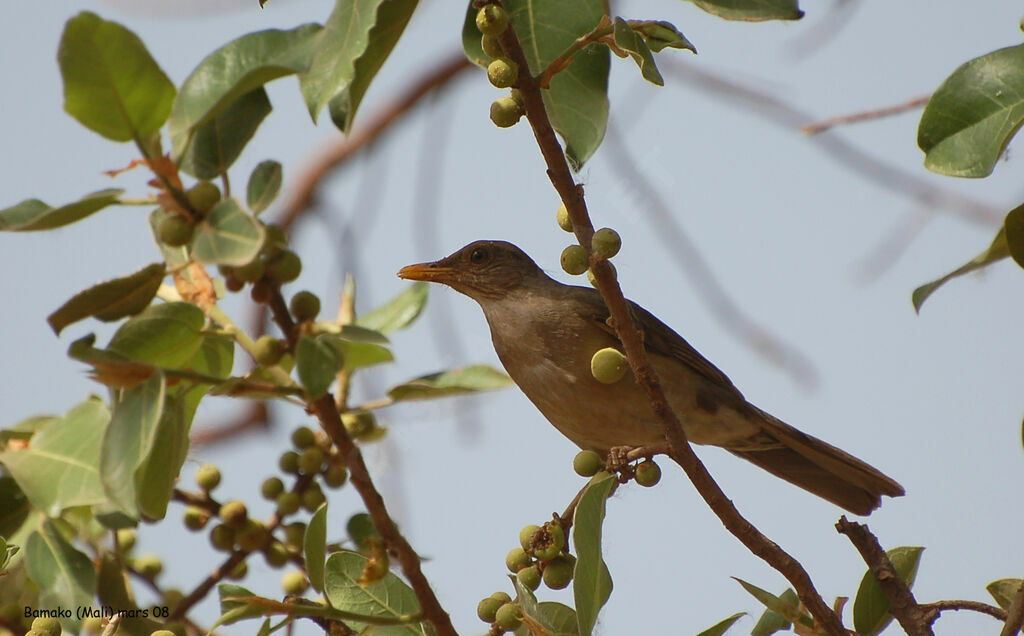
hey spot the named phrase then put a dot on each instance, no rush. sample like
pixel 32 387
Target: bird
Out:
pixel 545 334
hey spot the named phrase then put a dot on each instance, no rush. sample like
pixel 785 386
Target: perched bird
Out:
pixel 545 334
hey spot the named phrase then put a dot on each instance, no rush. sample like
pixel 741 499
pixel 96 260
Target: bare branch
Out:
pixel 851 118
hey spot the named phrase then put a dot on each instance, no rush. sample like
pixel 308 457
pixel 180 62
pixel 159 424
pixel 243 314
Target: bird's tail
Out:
pixel 818 467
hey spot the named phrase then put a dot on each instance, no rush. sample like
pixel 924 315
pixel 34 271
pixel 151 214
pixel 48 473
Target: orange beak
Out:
pixel 429 272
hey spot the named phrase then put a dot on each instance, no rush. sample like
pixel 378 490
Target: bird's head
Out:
pixel 480 270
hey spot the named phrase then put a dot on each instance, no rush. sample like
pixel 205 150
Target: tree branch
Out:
pixel 572 196
pixel 932 610
pixel 877 113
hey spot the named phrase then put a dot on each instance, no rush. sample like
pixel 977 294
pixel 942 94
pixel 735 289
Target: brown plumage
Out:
pixel 545 333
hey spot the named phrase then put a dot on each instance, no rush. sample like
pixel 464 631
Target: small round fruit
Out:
pixel 359 423
pixel 47 624
pixel 574 260
pixel 195 518
pixel 268 351
pixel 508 616
pixel 149 566
pixel 647 473
pixel 222 538
pixel 336 475
pixel 208 477
pixel 288 503
pixel 303 437
pixel 289 462
pixel 294 582
pixel 526 536
pixel 606 242
pixel 502 72
pixel 172 597
pixel 487 608
pixel 261 292
pixel 126 539
pixel 232 284
pixel 239 572
pixel 491 46
pixel 175 230
pixel 284 267
pixel 563 219
pixel 530 577
pixel 311 460
pixel 505 112
pixel 252 537
pixel 275 554
pixel 162 632
pixel 203 196
pixel 271 488
pixel 608 365
pixel 233 514
pixel 304 306
pixel 517 559
pixel 276 240
pixel 558 572
pixel 312 499
pixel 295 534
pixel 587 463
pixel 502 596
pixel 517 97
pixel 549 542
pixel 492 20
pixel 251 271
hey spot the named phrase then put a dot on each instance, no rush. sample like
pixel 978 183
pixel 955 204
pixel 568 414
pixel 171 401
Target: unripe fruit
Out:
pixel 491 46
pixel 47 624
pixel 239 572
pixel 304 306
pixel 261 292
pixel 294 582
pixel 587 463
pixel 208 477
pixel 359 423
pixel 289 462
pixel 251 271
pixel 271 488
pixel 530 577
pixel 563 219
pixel 502 596
pixel 275 554
pixel 252 537
pixel 526 536
pixel 288 503
pixel 295 534
pixel 517 97
pixel 172 597
pixel 647 473
pixel 502 72
pixel 233 514
pixel 549 543
pixel 284 267
pixel 126 539
pixel 558 572
pixel 268 351
pixel 311 460
pixel 492 20
pixel 336 475
pixel 233 284
pixel 222 538
pixel 606 242
pixel 162 632
pixel 505 112
pixel 574 260
pixel 508 616
pixel 195 518
pixel 276 240
pixel 174 230
pixel 487 608
pixel 149 566
pixel 303 437
pixel 203 196
pixel 517 559
pixel 92 625
pixel 608 365
pixel 312 499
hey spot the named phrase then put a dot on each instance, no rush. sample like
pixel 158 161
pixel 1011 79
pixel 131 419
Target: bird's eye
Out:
pixel 479 255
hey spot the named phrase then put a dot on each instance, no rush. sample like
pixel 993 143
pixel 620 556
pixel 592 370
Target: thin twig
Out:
pixel 932 610
pixel 1014 614
pixel 572 196
pixel 902 604
pixel 864 115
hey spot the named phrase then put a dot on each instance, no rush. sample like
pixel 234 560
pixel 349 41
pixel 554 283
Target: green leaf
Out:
pixel 314 547
pixel 360 529
pixel 660 35
pixel 399 312
pixel 111 84
pixel 751 10
pixel 577 102
pixel 871 607
pixel 997 251
pixel 157 475
pixel 721 627
pixel 7 551
pixel 239 67
pixel 113 590
pixel 216 144
pixel 359 355
pixel 166 335
pixel 60 468
pixel 264 183
pixel 33 215
pixel 478 377
pixel 555 618
pixel 628 40
pixel 786 605
pixel 592 584
pixel 111 300
pixel 229 236
pixel 1013 226
pixel 772 621
pixel 64 575
pixel 14 506
pixel 390 597
pixel 129 439
pixel 973 115
pixel 317 361
pixel 356 40
pixel 215 358
pixel 1004 590
pixel 234 611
